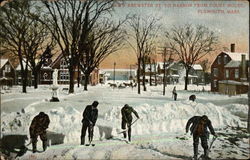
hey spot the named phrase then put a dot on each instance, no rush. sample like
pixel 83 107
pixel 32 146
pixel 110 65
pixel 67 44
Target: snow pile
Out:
pixel 172 117
pixel 65 120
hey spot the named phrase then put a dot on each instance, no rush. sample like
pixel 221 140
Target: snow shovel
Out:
pixel 91 136
pixel 128 127
pixel 211 144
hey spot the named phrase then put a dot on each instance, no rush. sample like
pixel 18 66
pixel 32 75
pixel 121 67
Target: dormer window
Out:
pixel 7 68
pixel 219 60
pixel 63 64
pixel 225 59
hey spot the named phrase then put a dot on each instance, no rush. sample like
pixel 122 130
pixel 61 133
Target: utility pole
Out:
pixel 114 72
pixel 164 74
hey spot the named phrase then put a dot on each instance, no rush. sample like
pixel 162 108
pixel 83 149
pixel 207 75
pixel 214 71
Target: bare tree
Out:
pixel 191 44
pixel 38 44
pixel 148 51
pixel 141 31
pixel 15 22
pixel 104 39
pixel 70 23
pixel 205 65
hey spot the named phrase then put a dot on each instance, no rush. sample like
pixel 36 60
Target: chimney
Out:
pixel 243 65
pixel 232 47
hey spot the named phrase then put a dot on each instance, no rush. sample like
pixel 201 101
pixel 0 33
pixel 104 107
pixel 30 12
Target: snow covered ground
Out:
pixel 158 134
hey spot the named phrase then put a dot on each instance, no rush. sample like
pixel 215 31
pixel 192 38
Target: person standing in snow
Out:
pixel 174 94
pixel 199 130
pixel 37 128
pixel 127 119
pixel 89 115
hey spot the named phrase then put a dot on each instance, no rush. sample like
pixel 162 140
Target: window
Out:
pixel 45 76
pixel 64 75
pixel 236 73
pixel 227 73
pixel 215 83
pixel 63 64
pixel 216 72
pixel 225 59
pixel 7 68
pixel 219 59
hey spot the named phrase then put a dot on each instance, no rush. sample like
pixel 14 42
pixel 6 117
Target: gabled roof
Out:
pixel 3 62
pixel 236 56
pixel 56 59
pixel 233 64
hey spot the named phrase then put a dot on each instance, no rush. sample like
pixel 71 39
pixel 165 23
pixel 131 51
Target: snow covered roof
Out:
pixel 121 70
pixel 233 64
pixel 174 75
pixel 236 56
pixel 233 82
pixel 3 62
pixel 47 68
pixel 18 68
pixel 197 67
pixel 169 64
pixel 148 67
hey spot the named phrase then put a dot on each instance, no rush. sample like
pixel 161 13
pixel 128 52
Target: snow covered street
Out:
pixel 158 134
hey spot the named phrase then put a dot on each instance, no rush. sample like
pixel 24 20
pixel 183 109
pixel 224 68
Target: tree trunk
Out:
pixel 86 81
pixel 150 74
pixel 78 75
pixel 24 80
pixel 35 74
pixel 164 79
pixel 138 76
pixel 186 79
pixel 71 80
pixel 144 72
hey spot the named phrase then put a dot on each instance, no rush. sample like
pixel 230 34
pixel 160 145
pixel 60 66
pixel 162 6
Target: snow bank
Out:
pixel 172 117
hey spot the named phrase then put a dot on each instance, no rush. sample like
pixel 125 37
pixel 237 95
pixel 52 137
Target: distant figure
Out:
pixel 37 128
pixel 192 98
pixel 203 89
pixel 199 130
pixel 174 93
pixel 89 115
pixel 127 119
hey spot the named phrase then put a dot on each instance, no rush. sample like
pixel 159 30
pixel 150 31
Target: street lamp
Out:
pixel 114 71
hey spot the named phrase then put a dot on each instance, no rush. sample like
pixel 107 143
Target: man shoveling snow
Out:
pixel 127 119
pixel 199 130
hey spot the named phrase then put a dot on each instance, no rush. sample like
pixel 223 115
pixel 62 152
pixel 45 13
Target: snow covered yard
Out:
pixel 158 134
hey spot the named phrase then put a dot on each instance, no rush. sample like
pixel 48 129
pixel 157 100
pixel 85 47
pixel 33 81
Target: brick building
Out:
pixel 229 72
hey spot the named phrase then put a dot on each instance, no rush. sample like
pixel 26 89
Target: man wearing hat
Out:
pixel 90 115
pixel 199 131
pixel 127 119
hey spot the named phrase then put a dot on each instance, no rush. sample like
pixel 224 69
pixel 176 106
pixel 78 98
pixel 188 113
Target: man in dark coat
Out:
pixel 174 94
pixel 89 115
pixel 127 119
pixel 199 130
pixel 37 128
